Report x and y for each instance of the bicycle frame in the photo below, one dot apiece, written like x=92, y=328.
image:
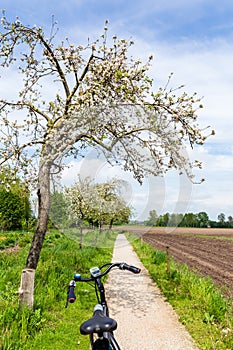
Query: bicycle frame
x=105, y=326
x=108, y=335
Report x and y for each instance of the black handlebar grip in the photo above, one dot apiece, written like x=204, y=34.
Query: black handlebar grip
x=134, y=269
x=131, y=268
x=71, y=295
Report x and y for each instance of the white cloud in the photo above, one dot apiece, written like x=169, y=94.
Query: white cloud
x=204, y=67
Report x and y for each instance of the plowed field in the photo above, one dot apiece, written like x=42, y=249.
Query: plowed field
x=208, y=251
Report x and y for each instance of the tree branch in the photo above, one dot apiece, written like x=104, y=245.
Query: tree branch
x=59, y=69
x=27, y=105
x=20, y=149
x=85, y=70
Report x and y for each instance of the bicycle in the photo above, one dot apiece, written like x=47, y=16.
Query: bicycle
x=100, y=327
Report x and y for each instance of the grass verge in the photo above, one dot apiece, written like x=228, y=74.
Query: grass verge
x=205, y=312
x=50, y=325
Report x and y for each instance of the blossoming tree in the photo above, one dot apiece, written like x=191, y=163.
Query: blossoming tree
x=100, y=203
x=71, y=97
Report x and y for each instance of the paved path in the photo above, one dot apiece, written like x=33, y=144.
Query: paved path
x=145, y=320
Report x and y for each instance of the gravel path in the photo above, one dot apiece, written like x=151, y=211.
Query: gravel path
x=145, y=320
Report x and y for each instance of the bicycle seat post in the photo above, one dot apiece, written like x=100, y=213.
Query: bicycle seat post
x=101, y=290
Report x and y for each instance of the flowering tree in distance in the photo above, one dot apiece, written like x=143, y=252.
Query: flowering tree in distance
x=98, y=202
x=71, y=97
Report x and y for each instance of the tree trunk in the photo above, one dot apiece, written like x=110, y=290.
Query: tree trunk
x=101, y=225
x=26, y=295
x=110, y=225
x=81, y=236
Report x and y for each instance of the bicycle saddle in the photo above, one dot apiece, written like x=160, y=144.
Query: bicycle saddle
x=99, y=323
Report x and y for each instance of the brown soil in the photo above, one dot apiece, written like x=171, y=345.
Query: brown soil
x=208, y=251
x=10, y=249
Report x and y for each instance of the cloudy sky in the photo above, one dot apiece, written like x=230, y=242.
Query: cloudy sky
x=192, y=39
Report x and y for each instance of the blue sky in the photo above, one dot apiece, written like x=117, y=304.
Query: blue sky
x=192, y=39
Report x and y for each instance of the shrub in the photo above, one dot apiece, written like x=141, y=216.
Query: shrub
x=11, y=210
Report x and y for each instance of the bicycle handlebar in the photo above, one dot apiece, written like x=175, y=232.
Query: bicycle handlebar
x=78, y=278
x=130, y=268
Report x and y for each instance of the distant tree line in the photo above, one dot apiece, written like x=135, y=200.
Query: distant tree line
x=200, y=219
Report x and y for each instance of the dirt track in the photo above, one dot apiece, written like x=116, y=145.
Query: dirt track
x=146, y=321
x=207, y=251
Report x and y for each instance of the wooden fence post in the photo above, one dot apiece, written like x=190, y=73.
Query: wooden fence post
x=168, y=260
x=26, y=290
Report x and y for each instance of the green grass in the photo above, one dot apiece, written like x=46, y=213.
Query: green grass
x=205, y=312
x=13, y=238
x=50, y=325
x=93, y=238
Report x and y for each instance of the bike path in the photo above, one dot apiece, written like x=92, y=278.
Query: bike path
x=145, y=320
